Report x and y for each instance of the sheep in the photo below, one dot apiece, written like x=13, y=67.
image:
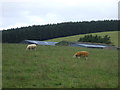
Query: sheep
x=81, y=53
x=31, y=46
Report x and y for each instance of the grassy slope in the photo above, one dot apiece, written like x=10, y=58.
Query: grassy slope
x=0, y=65
x=54, y=67
x=113, y=35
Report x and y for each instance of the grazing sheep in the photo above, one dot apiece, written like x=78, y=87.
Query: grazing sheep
x=81, y=54
x=31, y=46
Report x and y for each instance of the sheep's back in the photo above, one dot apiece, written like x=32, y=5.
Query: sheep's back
x=82, y=53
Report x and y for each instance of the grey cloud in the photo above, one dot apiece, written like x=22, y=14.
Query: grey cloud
x=52, y=11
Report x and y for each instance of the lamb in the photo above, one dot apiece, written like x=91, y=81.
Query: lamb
x=81, y=54
x=31, y=46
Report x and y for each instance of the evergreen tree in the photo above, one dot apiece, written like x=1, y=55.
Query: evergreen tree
x=95, y=39
x=49, y=31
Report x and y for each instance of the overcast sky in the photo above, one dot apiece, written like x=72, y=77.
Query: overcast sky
x=19, y=13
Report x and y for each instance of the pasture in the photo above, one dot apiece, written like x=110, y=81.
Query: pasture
x=112, y=34
x=54, y=67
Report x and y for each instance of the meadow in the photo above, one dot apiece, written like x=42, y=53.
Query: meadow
x=113, y=36
x=54, y=67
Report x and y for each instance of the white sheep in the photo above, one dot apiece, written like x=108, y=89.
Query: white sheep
x=31, y=46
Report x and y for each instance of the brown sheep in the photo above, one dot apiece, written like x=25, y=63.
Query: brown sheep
x=81, y=54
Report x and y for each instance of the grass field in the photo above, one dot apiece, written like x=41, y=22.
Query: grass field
x=54, y=67
x=112, y=34
x=0, y=66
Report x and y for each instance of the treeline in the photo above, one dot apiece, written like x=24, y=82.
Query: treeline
x=49, y=31
x=96, y=39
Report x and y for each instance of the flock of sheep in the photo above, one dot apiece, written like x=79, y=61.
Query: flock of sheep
x=76, y=55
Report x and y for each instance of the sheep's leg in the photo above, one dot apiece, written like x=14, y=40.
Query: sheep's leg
x=86, y=58
x=78, y=57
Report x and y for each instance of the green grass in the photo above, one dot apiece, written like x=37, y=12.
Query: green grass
x=54, y=67
x=0, y=66
x=112, y=34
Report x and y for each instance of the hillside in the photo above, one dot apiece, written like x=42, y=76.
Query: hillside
x=54, y=67
x=50, y=31
x=112, y=34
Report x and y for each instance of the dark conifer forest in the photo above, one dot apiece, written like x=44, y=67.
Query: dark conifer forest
x=49, y=31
